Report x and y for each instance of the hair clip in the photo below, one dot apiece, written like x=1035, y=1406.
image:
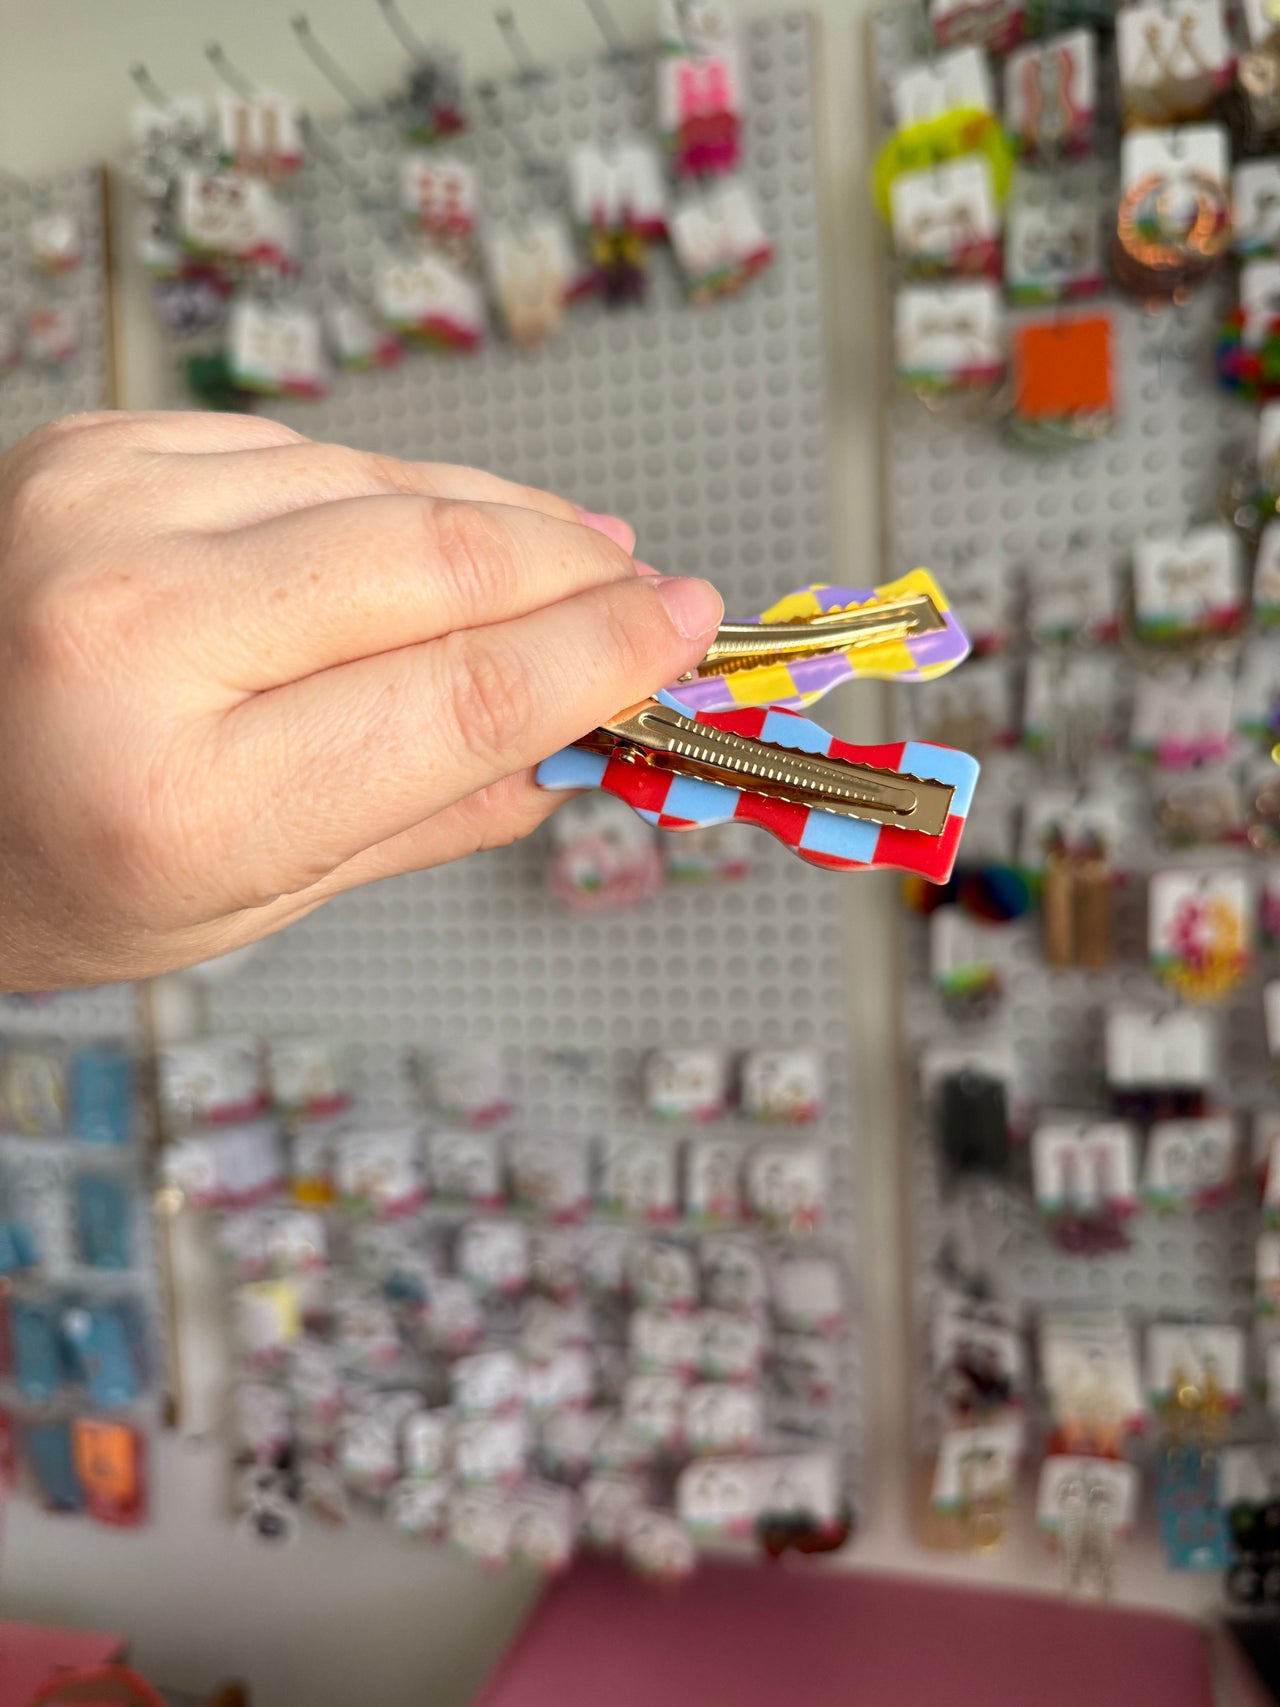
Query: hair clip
x=836, y=805
x=820, y=636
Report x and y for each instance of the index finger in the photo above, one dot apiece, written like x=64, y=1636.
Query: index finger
x=235, y=486
x=322, y=586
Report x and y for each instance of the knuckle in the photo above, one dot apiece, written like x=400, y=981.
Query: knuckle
x=63, y=427
x=387, y=473
x=469, y=549
x=38, y=496
x=73, y=624
x=49, y=474
x=260, y=429
x=491, y=698
x=48, y=634
x=62, y=449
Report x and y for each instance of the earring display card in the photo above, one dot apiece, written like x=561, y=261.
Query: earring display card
x=1134, y=761
x=627, y=1308
x=925, y=91
x=706, y=427
x=60, y=359
x=80, y=1322
x=1053, y=245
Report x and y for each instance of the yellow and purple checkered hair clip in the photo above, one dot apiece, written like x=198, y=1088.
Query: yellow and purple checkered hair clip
x=818, y=637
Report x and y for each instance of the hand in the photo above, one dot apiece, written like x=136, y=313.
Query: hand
x=241, y=672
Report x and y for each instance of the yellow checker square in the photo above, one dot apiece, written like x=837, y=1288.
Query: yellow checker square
x=765, y=686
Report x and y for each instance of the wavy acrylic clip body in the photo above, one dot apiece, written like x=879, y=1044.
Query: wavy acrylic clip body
x=899, y=806
x=820, y=636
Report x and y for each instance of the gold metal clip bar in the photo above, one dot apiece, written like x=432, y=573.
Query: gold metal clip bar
x=652, y=733
x=752, y=645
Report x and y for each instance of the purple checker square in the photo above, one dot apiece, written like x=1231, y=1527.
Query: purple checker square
x=944, y=646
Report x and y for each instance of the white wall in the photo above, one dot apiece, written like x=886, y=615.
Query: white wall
x=361, y=1616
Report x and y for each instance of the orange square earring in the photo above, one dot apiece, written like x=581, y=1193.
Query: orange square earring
x=1063, y=379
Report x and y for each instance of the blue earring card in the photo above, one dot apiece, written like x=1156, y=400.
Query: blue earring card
x=48, y=1453
x=104, y=1221
x=1193, y=1523
x=102, y=1094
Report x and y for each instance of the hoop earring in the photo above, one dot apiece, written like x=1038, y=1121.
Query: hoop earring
x=1148, y=257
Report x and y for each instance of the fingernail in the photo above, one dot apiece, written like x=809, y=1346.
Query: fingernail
x=695, y=608
x=612, y=527
x=644, y=568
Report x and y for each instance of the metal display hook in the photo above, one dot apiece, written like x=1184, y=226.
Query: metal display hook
x=235, y=80
x=147, y=86
x=405, y=34
x=616, y=45
x=527, y=67
x=333, y=73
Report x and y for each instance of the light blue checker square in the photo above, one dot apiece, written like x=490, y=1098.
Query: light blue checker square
x=798, y=732
x=572, y=767
x=842, y=838
x=944, y=764
x=700, y=801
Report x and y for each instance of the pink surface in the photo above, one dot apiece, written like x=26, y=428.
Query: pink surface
x=819, y=1638
x=30, y=1654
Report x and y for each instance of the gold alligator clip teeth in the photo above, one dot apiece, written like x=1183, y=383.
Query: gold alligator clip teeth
x=751, y=645
x=652, y=733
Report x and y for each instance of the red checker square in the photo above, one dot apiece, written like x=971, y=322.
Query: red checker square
x=643, y=786
x=832, y=862
x=933, y=857
x=749, y=721
x=782, y=818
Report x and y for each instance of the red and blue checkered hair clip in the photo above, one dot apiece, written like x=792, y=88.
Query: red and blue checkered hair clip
x=717, y=749
x=900, y=806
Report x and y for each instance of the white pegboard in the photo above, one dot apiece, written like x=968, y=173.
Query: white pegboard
x=76, y=1016
x=956, y=493
x=33, y=394
x=705, y=427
